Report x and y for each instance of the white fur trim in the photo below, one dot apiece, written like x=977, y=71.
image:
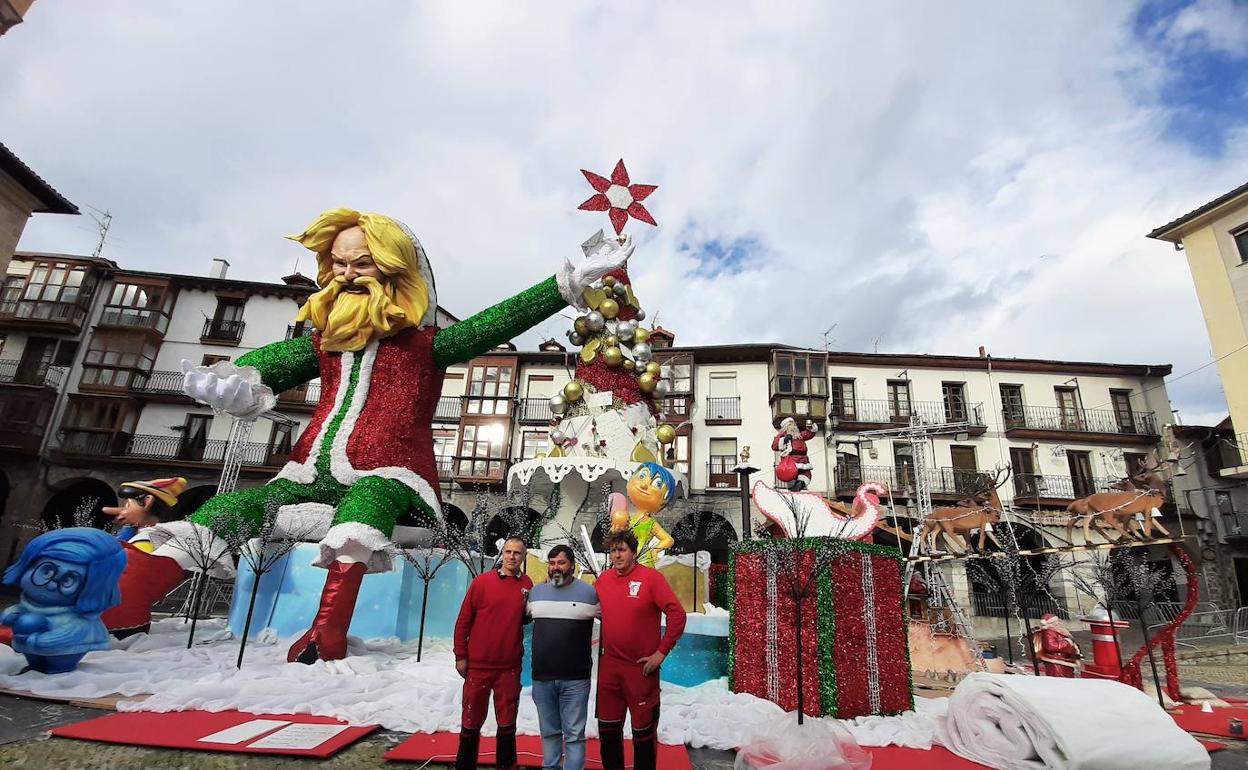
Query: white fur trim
x=312, y=520
x=305, y=472
x=354, y=536
x=177, y=538
x=565, y=280
x=426, y=272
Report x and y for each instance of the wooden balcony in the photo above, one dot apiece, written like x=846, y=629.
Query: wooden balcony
x=36, y=316
x=1055, y=423
x=124, y=317
x=479, y=471
x=49, y=377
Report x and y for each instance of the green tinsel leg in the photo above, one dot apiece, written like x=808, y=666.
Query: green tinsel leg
x=243, y=510
x=378, y=503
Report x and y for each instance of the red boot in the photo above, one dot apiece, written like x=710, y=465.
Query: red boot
x=146, y=580
x=327, y=638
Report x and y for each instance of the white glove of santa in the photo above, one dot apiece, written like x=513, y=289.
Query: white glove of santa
x=613, y=254
x=228, y=388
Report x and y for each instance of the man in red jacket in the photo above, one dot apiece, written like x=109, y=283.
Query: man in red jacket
x=633, y=597
x=489, y=646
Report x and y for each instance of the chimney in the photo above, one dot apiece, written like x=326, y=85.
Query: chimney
x=219, y=268
x=983, y=352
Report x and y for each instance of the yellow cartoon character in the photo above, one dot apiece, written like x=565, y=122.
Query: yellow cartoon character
x=650, y=489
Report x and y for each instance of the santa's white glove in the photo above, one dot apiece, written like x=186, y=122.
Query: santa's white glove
x=228, y=388
x=613, y=254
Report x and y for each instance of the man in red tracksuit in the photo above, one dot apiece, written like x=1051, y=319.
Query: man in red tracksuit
x=633, y=597
x=489, y=646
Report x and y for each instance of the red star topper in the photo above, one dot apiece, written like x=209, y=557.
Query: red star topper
x=616, y=195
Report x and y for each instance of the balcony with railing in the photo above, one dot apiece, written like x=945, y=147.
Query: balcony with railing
x=1086, y=424
x=12, y=371
x=125, y=317
x=868, y=413
x=170, y=448
x=535, y=410
x=304, y=397
x=450, y=408
x=480, y=470
x=901, y=482
x=1034, y=488
x=37, y=314
x=302, y=329
x=446, y=466
x=723, y=410
x=719, y=473
x=222, y=331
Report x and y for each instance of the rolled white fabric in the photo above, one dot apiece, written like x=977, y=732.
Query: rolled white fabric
x=1015, y=722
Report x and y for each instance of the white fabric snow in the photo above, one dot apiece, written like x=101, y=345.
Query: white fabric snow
x=381, y=682
x=1033, y=722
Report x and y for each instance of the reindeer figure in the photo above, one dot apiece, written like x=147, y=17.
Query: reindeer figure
x=1138, y=493
x=981, y=509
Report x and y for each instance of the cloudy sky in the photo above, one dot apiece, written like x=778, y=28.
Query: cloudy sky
x=930, y=177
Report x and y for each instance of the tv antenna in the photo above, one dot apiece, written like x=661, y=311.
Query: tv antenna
x=102, y=223
x=826, y=333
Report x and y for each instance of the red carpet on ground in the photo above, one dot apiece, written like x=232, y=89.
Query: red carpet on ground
x=1216, y=722
x=441, y=747
x=184, y=729
x=899, y=758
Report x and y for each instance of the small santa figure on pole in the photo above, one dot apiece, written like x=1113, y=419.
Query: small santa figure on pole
x=794, y=467
x=1055, y=649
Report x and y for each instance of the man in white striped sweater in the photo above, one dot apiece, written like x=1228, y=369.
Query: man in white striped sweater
x=563, y=611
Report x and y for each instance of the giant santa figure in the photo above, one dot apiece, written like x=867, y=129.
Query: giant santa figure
x=367, y=456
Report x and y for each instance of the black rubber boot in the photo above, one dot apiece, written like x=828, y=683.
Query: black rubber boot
x=469, y=742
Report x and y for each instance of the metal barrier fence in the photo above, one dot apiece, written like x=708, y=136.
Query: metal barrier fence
x=1211, y=625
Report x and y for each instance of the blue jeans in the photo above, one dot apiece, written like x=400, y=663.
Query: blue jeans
x=562, y=706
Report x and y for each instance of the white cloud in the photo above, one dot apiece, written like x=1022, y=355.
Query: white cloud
x=902, y=167
x=1221, y=25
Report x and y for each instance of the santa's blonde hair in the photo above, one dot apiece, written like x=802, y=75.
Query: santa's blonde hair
x=392, y=249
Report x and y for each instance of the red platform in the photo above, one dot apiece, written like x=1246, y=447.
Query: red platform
x=441, y=747
x=937, y=758
x=1216, y=722
x=183, y=729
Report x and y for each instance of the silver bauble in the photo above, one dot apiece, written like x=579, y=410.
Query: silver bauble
x=625, y=331
x=558, y=404
x=661, y=389
x=641, y=352
x=619, y=290
x=595, y=321
x=557, y=438
x=641, y=314
x=576, y=339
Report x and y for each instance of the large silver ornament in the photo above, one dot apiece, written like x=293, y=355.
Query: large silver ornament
x=595, y=321
x=661, y=389
x=642, y=352
x=558, y=404
x=619, y=290
x=576, y=339
x=641, y=314
x=625, y=331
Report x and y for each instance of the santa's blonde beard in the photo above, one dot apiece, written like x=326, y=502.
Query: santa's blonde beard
x=347, y=321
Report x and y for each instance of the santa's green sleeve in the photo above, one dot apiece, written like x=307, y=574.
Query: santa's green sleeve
x=493, y=326
x=284, y=365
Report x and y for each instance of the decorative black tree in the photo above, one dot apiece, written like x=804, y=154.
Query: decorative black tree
x=264, y=552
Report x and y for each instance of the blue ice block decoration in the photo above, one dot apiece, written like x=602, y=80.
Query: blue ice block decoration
x=388, y=604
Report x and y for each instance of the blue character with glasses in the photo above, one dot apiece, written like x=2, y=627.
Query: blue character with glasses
x=67, y=578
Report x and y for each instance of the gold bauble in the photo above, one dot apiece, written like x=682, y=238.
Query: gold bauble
x=646, y=382
x=609, y=281
x=629, y=365
x=573, y=391
x=612, y=341
x=641, y=335
x=581, y=326
x=666, y=434
x=654, y=367
x=612, y=357
x=609, y=308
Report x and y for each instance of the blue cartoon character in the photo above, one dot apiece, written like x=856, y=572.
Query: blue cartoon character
x=67, y=578
x=650, y=489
